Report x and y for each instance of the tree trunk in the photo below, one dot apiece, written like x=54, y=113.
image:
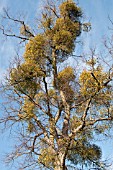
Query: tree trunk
x=59, y=168
x=60, y=162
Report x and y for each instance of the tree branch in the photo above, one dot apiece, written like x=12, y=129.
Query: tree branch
x=48, y=105
x=13, y=35
x=86, y=110
x=35, y=137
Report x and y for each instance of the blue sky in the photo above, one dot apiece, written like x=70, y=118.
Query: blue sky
x=96, y=11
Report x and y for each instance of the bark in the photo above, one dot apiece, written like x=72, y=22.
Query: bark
x=54, y=65
x=60, y=162
x=67, y=115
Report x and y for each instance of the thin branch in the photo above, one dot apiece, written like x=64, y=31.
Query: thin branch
x=53, y=10
x=13, y=35
x=48, y=104
x=58, y=114
x=17, y=21
x=40, y=124
x=35, y=137
x=95, y=79
x=99, y=120
x=36, y=104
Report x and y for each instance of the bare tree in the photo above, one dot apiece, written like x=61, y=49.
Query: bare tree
x=57, y=108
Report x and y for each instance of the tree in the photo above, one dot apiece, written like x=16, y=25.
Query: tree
x=58, y=109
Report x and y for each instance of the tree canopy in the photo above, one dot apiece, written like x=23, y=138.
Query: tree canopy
x=58, y=109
